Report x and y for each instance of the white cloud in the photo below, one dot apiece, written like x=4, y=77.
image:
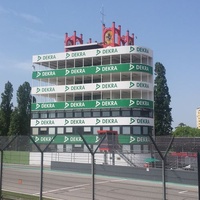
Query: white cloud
x=43, y=35
x=25, y=16
x=16, y=65
x=30, y=18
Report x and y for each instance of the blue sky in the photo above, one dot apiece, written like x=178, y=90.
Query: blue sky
x=170, y=28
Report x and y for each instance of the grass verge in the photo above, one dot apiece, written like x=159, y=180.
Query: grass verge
x=16, y=157
x=18, y=196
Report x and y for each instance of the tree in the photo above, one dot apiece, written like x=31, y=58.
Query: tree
x=6, y=108
x=181, y=124
x=186, y=131
x=20, y=122
x=162, y=99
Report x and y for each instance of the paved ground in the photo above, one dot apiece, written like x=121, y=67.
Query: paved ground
x=72, y=186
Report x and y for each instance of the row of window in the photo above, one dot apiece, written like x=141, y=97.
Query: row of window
x=135, y=130
x=94, y=113
x=100, y=78
x=93, y=61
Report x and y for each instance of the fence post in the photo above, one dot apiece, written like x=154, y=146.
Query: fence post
x=198, y=168
x=1, y=169
x=42, y=161
x=1, y=175
x=93, y=161
x=163, y=157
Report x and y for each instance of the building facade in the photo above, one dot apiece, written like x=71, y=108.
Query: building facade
x=94, y=86
x=198, y=118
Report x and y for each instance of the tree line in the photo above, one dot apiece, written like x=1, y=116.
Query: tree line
x=16, y=120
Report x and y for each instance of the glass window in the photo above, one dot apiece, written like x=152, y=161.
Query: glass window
x=126, y=130
x=35, y=115
x=68, y=129
x=60, y=114
x=35, y=131
x=105, y=113
x=126, y=148
x=87, y=129
x=137, y=148
x=78, y=114
x=136, y=130
x=60, y=130
x=144, y=113
x=87, y=113
x=115, y=113
x=52, y=115
x=145, y=130
x=126, y=113
x=106, y=128
x=136, y=113
x=69, y=114
x=43, y=115
x=116, y=128
x=52, y=131
x=145, y=149
x=95, y=129
x=43, y=131
x=96, y=114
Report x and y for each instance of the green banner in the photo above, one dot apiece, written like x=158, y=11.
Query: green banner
x=90, y=139
x=117, y=103
x=78, y=71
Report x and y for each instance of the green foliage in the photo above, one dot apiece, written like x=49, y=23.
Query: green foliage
x=162, y=99
x=15, y=123
x=22, y=115
x=186, y=131
x=6, y=108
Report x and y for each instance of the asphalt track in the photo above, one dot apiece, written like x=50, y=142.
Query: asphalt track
x=72, y=186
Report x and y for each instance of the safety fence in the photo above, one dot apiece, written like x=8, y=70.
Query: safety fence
x=157, y=169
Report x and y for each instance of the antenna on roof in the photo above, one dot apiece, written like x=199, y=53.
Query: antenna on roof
x=102, y=14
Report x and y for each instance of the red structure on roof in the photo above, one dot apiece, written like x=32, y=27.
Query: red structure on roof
x=110, y=37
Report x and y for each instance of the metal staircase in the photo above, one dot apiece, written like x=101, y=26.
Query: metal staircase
x=119, y=151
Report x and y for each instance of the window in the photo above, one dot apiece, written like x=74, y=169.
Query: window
x=69, y=130
x=43, y=115
x=126, y=113
x=96, y=113
x=116, y=128
x=78, y=114
x=60, y=114
x=69, y=114
x=115, y=113
x=136, y=113
x=126, y=130
x=52, y=115
x=136, y=130
x=105, y=113
x=87, y=113
x=60, y=130
x=95, y=129
x=35, y=115
x=52, y=131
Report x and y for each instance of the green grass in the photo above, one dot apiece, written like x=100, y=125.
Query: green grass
x=16, y=157
x=17, y=196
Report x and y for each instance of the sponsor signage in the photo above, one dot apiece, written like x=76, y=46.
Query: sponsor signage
x=126, y=67
x=92, y=53
x=93, y=87
x=92, y=121
x=90, y=139
x=115, y=103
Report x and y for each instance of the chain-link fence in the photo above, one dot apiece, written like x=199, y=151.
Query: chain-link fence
x=161, y=168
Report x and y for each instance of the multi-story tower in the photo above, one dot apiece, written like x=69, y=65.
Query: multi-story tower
x=94, y=86
x=198, y=117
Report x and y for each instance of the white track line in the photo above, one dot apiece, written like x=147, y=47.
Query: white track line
x=181, y=192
